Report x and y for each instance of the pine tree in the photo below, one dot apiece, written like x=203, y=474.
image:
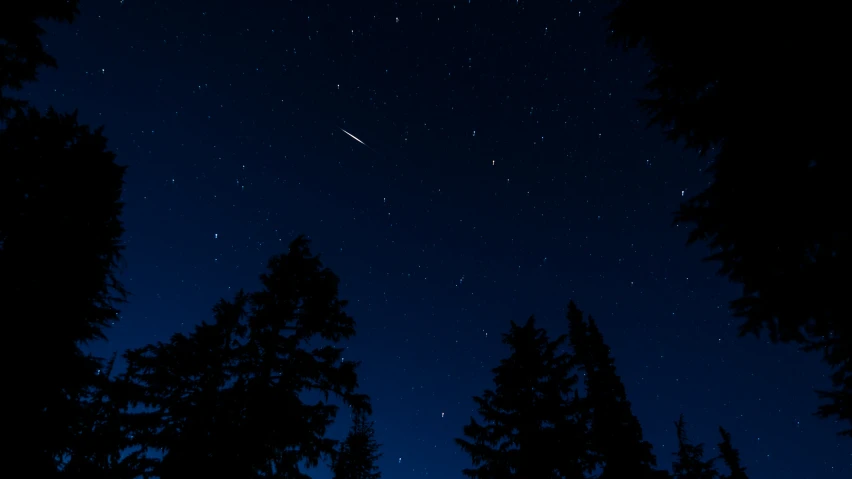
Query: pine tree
x=192, y=401
x=227, y=400
x=614, y=433
x=690, y=463
x=358, y=453
x=731, y=457
x=57, y=179
x=102, y=438
x=21, y=50
x=529, y=427
x=757, y=214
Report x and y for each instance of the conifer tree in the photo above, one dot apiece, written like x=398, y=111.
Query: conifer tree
x=227, y=399
x=357, y=455
x=57, y=181
x=756, y=215
x=690, y=462
x=529, y=427
x=184, y=386
x=102, y=438
x=59, y=239
x=615, y=436
x=21, y=49
x=731, y=457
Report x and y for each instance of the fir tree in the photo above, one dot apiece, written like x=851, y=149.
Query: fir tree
x=102, y=441
x=731, y=457
x=614, y=433
x=757, y=214
x=189, y=407
x=57, y=180
x=227, y=400
x=529, y=427
x=21, y=50
x=358, y=453
x=690, y=463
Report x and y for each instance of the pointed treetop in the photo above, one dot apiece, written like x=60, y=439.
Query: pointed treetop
x=690, y=463
x=731, y=457
x=357, y=455
x=529, y=426
x=615, y=435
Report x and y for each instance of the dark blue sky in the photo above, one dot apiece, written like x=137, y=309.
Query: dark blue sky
x=510, y=171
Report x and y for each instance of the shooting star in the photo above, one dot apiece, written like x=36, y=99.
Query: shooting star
x=357, y=139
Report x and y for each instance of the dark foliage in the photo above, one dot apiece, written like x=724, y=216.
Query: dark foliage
x=530, y=426
x=228, y=399
x=770, y=214
x=60, y=231
x=102, y=439
x=731, y=457
x=690, y=462
x=21, y=49
x=59, y=239
x=615, y=435
x=357, y=455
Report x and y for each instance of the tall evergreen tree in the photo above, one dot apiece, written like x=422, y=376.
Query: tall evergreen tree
x=529, y=428
x=757, y=214
x=690, y=462
x=60, y=204
x=731, y=457
x=21, y=49
x=357, y=455
x=59, y=239
x=615, y=435
x=227, y=400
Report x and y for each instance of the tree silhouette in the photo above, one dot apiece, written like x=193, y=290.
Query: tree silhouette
x=60, y=205
x=102, y=438
x=615, y=435
x=21, y=50
x=731, y=457
x=358, y=453
x=228, y=399
x=529, y=427
x=190, y=409
x=690, y=463
x=770, y=214
x=59, y=239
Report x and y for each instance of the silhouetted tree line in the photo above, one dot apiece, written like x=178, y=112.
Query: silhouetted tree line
x=541, y=421
x=229, y=398
x=225, y=399
x=771, y=214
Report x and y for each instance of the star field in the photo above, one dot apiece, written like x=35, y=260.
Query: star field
x=459, y=164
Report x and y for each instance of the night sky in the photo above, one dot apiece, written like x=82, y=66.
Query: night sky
x=508, y=171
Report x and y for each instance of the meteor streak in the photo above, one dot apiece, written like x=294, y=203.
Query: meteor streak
x=356, y=139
